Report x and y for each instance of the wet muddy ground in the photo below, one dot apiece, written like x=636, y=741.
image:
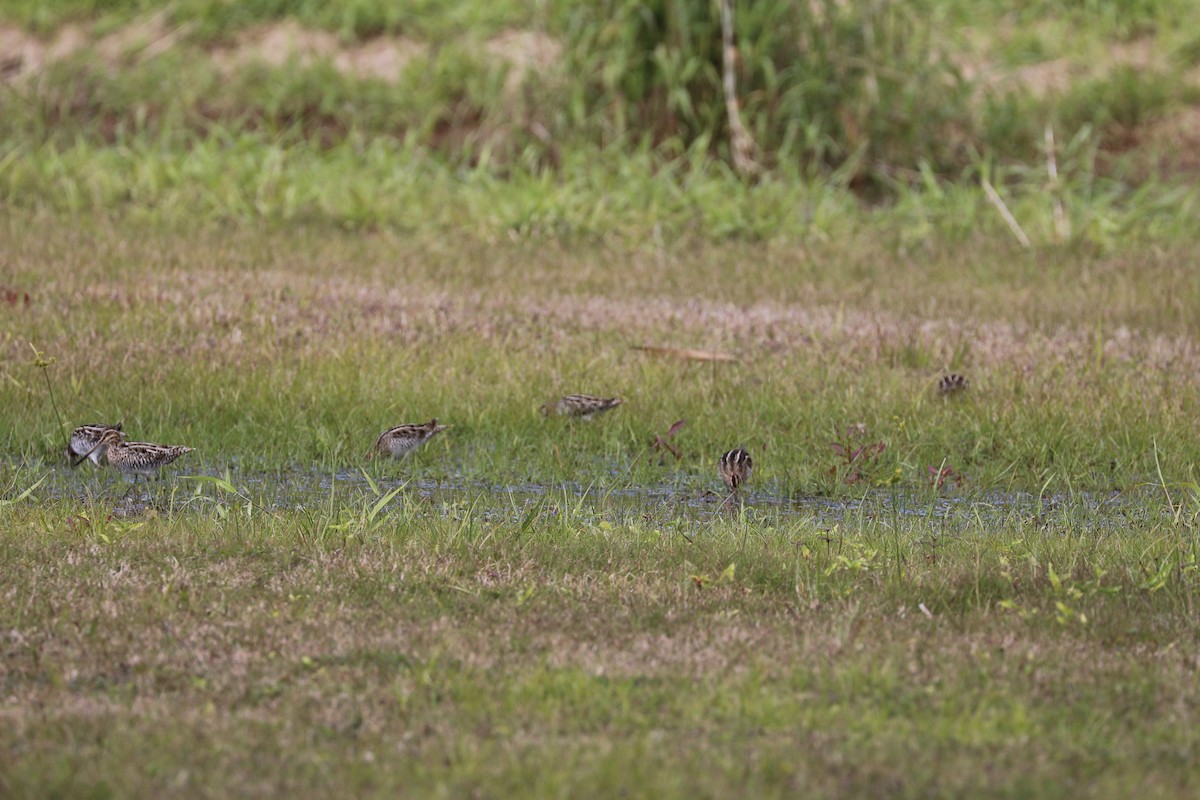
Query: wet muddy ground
x=683, y=505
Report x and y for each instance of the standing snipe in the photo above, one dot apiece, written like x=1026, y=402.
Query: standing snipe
x=134, y=458
x=584, y=406
x=734, y=468
x=401, y=440
x=84, y=440
x=952, y=384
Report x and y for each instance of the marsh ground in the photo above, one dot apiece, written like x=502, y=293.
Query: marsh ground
x=997, y=598
x=491, y=630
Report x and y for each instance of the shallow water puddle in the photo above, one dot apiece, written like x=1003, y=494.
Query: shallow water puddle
x=301, y=490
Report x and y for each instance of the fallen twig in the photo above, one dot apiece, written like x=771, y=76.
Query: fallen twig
x=685, y=353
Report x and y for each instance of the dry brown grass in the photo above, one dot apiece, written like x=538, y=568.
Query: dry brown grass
x=229, y=295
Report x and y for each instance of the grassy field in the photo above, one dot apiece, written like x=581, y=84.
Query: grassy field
x=438, y=653
x=272, y=261
x=280, y=348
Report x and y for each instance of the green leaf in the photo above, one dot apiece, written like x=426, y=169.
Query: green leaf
x=23, y=494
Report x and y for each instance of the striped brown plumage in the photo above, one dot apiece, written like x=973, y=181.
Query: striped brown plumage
x=952, y=384
x=734, y=468
x=401, y=440
x=135, y=458
x=84, y=439
x=584, y=406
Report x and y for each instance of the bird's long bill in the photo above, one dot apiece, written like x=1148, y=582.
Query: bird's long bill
x=84, y=457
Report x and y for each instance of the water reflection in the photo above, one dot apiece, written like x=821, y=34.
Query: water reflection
x=307, y=490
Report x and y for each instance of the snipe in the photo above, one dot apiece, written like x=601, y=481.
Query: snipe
x=734, y=468
x=952, y=384
x=401, y=440
x=134, y=458
x=584, y=406
x=84, y=440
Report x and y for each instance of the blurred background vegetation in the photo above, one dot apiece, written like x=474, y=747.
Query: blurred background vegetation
x=247, y=109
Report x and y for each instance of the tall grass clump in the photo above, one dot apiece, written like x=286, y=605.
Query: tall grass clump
x=859, y=86
x=626, y=131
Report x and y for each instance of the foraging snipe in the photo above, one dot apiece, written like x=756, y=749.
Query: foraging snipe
x=84, y=440
x=403, y=439
x=734, y=468
x=134, y=458
x=580, y=405
x=952, y=384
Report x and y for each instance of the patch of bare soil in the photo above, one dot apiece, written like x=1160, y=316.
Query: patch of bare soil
x=19, y=52
x=383, y=58
x=525, y=52
x=22, y=54
x=1174, y=143
x=1048, y=78
x=287, y=42
x=67, y=41
x=143, y=39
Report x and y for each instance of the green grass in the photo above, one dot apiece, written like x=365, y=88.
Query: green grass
x=287, y=347
x=883, y=97
x=273, y=264
x=302, y=652
x=380, y=184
